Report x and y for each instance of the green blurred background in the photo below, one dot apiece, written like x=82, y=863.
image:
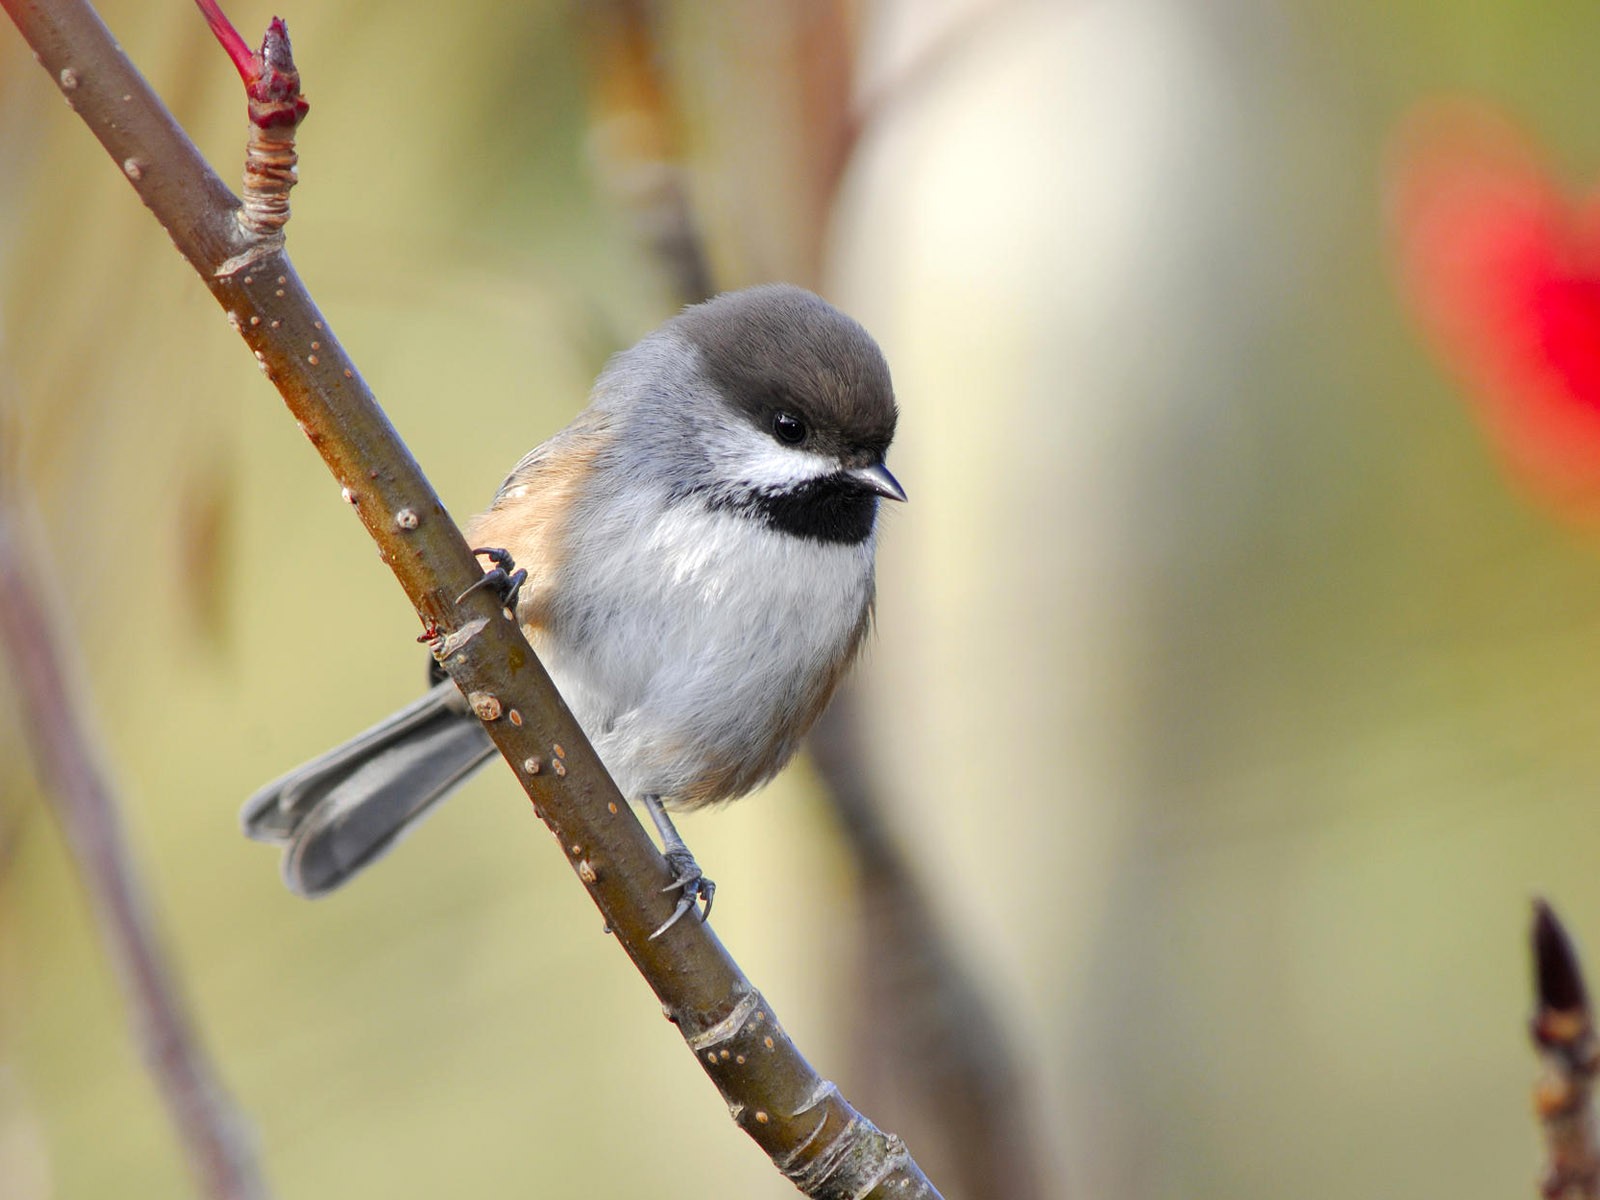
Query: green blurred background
x=1226, y=695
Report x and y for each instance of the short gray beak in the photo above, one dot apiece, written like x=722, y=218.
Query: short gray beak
x=879, y=480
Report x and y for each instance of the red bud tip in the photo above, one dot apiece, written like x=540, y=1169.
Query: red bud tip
x=276, y=53
x=275, y=97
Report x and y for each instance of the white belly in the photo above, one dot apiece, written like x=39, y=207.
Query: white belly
x=680, y=651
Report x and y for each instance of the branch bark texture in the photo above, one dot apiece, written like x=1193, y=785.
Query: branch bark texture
x=813, y=1136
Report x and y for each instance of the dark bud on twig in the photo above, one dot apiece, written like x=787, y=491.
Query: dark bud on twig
x=1563, y=1032
x=1556, y=970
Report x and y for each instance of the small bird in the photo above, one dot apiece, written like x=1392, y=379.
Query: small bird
x=693, y=565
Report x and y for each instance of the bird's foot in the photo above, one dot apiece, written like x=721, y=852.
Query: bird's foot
x=504, y=579
x=692, y=885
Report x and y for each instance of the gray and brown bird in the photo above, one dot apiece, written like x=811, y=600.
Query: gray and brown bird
x=698, y=547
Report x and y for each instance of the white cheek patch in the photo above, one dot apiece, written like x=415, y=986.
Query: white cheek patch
x=761, y=463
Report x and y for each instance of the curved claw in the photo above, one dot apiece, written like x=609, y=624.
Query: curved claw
x=685, y=903
x=695, y=886
x=505, y=578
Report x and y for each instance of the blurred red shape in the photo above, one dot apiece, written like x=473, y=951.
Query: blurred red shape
x=1504, y=271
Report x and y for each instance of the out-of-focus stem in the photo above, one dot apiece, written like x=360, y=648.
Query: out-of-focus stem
x=216, y=1141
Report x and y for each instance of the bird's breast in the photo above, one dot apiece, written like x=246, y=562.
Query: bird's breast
x=697, y=645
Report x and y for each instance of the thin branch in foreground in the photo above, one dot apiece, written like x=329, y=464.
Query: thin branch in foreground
x=812, y=1135
x=215, y=1139
x=1563, y=1033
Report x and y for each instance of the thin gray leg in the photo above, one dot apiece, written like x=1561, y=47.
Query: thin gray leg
x=686, y=873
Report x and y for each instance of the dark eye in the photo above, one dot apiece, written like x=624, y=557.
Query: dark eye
x=788, y=428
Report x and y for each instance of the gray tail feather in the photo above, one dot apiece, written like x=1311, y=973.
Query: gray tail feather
x=339, y=812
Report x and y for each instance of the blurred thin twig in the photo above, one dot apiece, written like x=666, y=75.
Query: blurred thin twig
x=634, y=141
x=870, y=111
x=936, y=1044
x=215, y=1138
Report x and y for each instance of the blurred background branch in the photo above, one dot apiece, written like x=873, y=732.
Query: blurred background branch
x=67, y=757
x=929, y=1043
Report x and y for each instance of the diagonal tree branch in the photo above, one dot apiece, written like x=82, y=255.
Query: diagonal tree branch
x=215, y=1138
x=814, y=1137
